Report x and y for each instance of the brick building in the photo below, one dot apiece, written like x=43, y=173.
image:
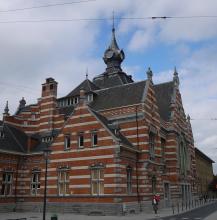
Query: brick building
x=114, y=142
x=204, y=171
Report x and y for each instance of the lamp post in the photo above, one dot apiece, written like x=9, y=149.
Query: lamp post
x=46, y=151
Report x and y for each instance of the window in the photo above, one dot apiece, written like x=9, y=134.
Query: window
x=90, y=97
x=81, y=140
x=163, y=145
x=44, y=88
x=7, y=180
x=25, y=123
x=129, y=180
x=47, y=139
x=151, y=145
x=33, y=116
x=183, y=158
x=97, y=181
x=63, y=182
x=67, y=141
x=94, y=139
x=35, y=182
x=51, y=86
x=75, y=100
x=2, y=135
x=153, y=183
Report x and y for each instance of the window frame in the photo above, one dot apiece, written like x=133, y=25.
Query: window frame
x=63, y=183
x=67, y=141
x=81, y=134
x=7, y=183
x=129, y=180
x=97, y=179
x=35, y=191
x=93, y=135
x=152, y=137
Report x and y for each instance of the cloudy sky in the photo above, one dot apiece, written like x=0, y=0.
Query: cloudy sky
x=31, y=51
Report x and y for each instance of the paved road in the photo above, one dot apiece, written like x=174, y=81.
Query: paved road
x=196, y=214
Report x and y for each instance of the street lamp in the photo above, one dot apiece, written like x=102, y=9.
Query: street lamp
x=47, y=152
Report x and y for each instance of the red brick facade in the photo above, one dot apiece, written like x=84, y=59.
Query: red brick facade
x=136, y=152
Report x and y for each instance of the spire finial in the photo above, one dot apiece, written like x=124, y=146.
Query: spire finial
x=113, y=21
x=176, y=77
x=87, y=73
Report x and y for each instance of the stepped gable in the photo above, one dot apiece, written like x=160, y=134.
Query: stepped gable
x=14, y=139
x=112, y=129
x=164, y=92
x=119, y=96
x=86, y=85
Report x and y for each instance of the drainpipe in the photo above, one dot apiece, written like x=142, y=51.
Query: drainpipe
x=137, y=157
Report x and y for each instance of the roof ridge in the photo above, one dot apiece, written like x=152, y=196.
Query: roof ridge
x=163, y=83
x=120, y=85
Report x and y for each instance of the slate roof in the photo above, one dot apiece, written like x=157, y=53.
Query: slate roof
x=13, y=140
x=107, y=124
x=164, y=92
x=87, y=85
x=118, y=96
x=67, y=110
x=106, y=80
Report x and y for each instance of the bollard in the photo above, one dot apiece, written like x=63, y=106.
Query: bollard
x=177, y=207
x=182, y=206
x=173, y=209
x=54, y=217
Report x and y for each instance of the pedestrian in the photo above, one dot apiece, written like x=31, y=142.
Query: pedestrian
x=155, y=204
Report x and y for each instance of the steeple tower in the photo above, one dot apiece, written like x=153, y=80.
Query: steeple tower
x=113, y=56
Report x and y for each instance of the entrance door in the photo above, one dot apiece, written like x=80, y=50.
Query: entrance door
x=167, y=194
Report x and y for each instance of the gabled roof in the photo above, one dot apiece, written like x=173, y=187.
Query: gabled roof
x=86, y=85
x=204, y=156
x=14, y=139
x=164, y=93
x=118, y=96
x=118, y=135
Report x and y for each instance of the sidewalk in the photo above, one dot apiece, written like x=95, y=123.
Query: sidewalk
x=213, y=216
x=71, y=216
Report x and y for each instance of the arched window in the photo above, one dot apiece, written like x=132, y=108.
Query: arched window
x=154, y=184
x=183, y=157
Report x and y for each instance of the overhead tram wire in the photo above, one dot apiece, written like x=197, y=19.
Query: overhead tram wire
x=107, y=19
x=46, y=6
x=203, y=119
x=102, y=19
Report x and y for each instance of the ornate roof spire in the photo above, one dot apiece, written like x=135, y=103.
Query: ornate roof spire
x=6, y=110
x=87, y=73
x=176, y=77
x=113, y=56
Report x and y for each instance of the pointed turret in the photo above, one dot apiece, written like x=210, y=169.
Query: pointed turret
x=113, y=56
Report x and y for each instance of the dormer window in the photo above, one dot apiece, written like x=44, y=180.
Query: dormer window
x=47, y=139
x=90, y=97
x=75, y=100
